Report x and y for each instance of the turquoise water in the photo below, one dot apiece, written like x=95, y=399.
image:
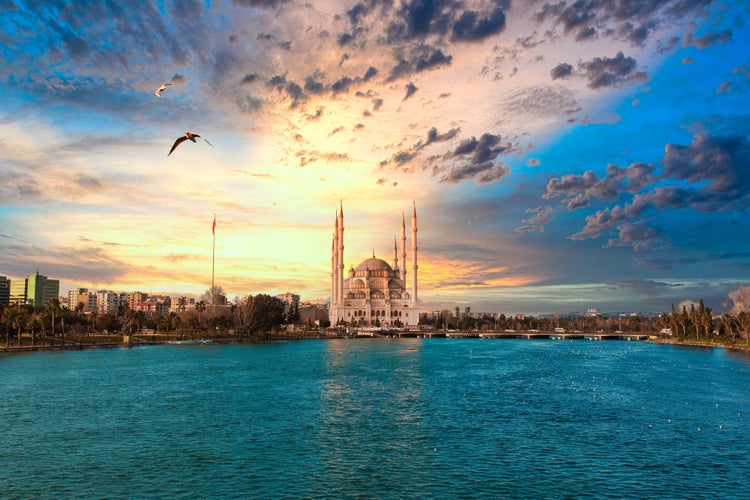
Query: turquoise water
x=430, y=418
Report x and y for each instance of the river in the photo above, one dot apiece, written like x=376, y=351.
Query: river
x=377, y=418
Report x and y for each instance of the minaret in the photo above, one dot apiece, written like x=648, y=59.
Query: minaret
x=414, y=252
x=334, y=260
x=395, y=254
x=403, y=250
x=340, y=286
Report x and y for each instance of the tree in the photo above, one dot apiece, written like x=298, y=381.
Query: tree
x=209, y=296
x=740, y=299
x=53, y=308
x=17, y=318
x=729, y=325
x=292, y=317
x=200, y=307
x=264, y=313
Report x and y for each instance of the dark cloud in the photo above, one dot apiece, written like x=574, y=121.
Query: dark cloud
x=313, y=86
x=712, y=174
x=369, y=74
x=636, y=34
x=356, y=13
x=249, y=78
x=341, y=85
x=88, y=263
x=562, y=70
x=632, y=21
x=639, y=236
x=610, y=71
x=480, y=173
x=471, y=27
x=421, y=58
x=344, y=39
x=707, y=40
x=721, y=165
x=476, y=159
x=261, y=4
x=577, y=190
x=433, y=137
x=419, y=19
x=587, y=33
x=481, y=150
x=411, y=89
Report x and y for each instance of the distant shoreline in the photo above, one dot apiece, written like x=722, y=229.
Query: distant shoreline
x=81, y=343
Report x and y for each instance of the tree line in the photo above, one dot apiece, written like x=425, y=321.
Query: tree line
x=52, y=322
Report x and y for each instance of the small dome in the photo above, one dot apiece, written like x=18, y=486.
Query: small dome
x=373, y=264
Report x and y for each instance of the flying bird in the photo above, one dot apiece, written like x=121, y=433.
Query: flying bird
x=163, y=87
x=188, y=136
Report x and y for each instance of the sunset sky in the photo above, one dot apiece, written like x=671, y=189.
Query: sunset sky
x=562, y=155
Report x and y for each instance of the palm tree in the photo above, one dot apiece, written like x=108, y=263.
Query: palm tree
x=8, y=313
x=200, y=306
x=18, y=319
x=52, y=307
x=92, y=317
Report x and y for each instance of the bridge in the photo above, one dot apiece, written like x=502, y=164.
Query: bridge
x=545, y=335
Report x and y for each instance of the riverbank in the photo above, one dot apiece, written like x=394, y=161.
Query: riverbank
x=79, y=342
x=740, y=346
x=103, y=341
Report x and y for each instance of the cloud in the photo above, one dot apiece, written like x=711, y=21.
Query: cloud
x=639, y=236
x=611, y=71
x=86, y=263
x=419, y=19
x=476, y=159
x=421, y=58
x=710, y=174
x=542, y=215
x=411, y=89
x=472, y=27
x=262, y=4
x=529, y=228
x=634, y=22
x=562, y=70
x=709, y=39
x=433, y=137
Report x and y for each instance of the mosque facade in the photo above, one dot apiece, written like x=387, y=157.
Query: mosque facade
x=374, y=293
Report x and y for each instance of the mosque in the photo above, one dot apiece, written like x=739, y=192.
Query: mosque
x=374, y=293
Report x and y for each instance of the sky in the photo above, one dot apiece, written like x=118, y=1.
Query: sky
x=561, y=155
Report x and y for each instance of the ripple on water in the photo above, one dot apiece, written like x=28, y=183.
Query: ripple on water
x=377, y=419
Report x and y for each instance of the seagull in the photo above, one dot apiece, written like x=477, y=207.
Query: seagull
x=163, y=87
x=188, y=135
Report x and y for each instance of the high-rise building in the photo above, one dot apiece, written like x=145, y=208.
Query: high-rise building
x=108, y=302
x=17, y=291
x=36, y=289
x=375, y=293
x=4, y=291
x=181, y=304
x=81, y=298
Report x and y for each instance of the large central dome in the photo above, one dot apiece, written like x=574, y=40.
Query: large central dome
x=373, y=264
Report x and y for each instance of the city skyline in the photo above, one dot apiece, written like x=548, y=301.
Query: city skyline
x=563, y=155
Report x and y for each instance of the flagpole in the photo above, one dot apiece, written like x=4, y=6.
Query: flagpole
x=213, y=259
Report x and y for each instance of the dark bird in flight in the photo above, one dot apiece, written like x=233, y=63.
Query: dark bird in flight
x=188, y=136
x=163, y=87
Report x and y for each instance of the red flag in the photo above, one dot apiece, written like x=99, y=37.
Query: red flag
x=213, y=227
